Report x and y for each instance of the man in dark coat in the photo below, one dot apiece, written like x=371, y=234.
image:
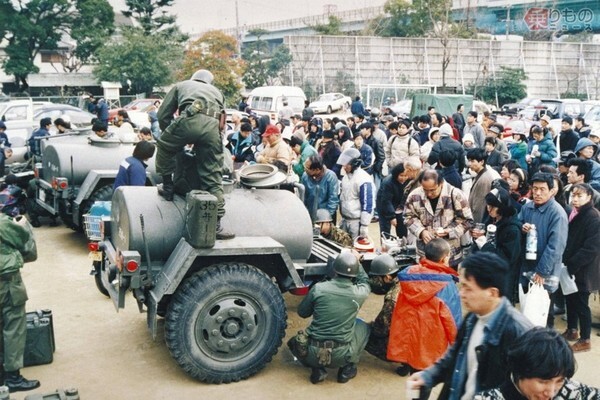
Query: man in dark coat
x=567, y=139
x=447, y=143
x=366, y=130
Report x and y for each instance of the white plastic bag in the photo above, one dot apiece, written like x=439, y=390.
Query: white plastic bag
x=567, y=281
x=537, y=304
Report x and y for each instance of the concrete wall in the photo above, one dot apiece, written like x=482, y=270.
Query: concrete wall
x=552, y=68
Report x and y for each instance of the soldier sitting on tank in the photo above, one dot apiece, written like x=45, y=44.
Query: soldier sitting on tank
x=330, y=231
x=335, y=337
x=201, y=122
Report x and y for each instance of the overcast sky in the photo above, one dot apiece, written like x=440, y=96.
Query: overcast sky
x=195, y=16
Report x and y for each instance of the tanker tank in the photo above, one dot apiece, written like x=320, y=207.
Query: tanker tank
x=85, y=156
x=278, y=214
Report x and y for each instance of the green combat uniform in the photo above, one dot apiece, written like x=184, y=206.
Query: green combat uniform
x=201, y=119
x=14, y=240
x=380, y=327
x=334, y=306
x=340, y=236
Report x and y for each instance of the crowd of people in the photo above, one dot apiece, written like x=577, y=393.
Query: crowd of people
x=491, y=214
x=487, y=217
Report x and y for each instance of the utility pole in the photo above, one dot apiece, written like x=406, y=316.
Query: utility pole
x=238, y=38
x=507, y=20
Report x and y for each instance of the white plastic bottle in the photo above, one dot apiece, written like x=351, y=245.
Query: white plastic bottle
x=531, y=244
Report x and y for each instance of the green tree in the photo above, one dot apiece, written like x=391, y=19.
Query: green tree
x=154, y=19
x=332, y=28
x=93, y=24
x=263, y=65
x=30, y=27
x=215, y=51
x=139, y=62
x=408, y=18
x=507, y=87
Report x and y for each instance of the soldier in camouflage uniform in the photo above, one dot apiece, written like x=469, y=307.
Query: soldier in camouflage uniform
x=336, y=337
x=330, y=231
x=200, y=123
x=16, y=242
x=383, y=281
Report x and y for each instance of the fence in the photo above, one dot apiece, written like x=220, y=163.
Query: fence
x=345, y=63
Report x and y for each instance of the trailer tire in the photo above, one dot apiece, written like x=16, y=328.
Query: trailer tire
x=225, y=323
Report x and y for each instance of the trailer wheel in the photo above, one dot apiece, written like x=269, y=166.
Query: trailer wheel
x=225, y=323
x=98, y=279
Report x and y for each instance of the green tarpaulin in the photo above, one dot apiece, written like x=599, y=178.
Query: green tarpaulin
x=444, y=104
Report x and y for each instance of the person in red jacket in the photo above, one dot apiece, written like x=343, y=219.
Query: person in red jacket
x=427, y=313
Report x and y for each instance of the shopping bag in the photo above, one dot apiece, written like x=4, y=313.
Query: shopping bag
x=537, y=304
x=567, y=281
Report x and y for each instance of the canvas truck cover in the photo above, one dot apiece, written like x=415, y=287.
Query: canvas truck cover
x=444, y=104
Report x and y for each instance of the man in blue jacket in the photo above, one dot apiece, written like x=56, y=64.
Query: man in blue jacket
x=132, y=171
x=35, y=146
x=322, y=187
x=551, y=225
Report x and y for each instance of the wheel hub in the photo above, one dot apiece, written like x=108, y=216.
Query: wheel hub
x=228, y=326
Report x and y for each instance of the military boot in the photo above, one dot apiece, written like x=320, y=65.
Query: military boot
x=347, y=372
x=167, y=188
x=17, y=383
x=317, y=375
x=222, y=233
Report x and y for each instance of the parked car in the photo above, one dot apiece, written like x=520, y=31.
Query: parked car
x=515, y=108
x=268, y=100
x=135, y=105
x=330, y=102
x=559, y=108
x=592, y=117
x=78, y=118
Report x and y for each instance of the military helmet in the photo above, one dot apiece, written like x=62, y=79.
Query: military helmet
x=323, y=216
x=383, y=264
x=346, y=264
x=203, y=75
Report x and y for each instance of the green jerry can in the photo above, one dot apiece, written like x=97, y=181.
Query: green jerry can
x=59, y=394
x=39, y=345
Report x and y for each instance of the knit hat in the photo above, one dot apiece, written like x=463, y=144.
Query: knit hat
x=271, y=130
x=500, y=198
x=546, y=118
x=446, y=130
x=328, y=134
x=468, y=138
x=595, y=132
x=339, y=126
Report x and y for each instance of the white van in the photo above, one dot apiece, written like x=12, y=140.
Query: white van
x=268, y=100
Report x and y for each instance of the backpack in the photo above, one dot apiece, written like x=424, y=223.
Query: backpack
x=11, y=201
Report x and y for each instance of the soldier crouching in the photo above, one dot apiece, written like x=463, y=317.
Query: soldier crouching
x=335, y=337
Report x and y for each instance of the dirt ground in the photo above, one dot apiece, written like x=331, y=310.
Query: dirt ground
x=110, y=355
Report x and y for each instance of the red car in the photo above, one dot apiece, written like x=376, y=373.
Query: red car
x=138, y=104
